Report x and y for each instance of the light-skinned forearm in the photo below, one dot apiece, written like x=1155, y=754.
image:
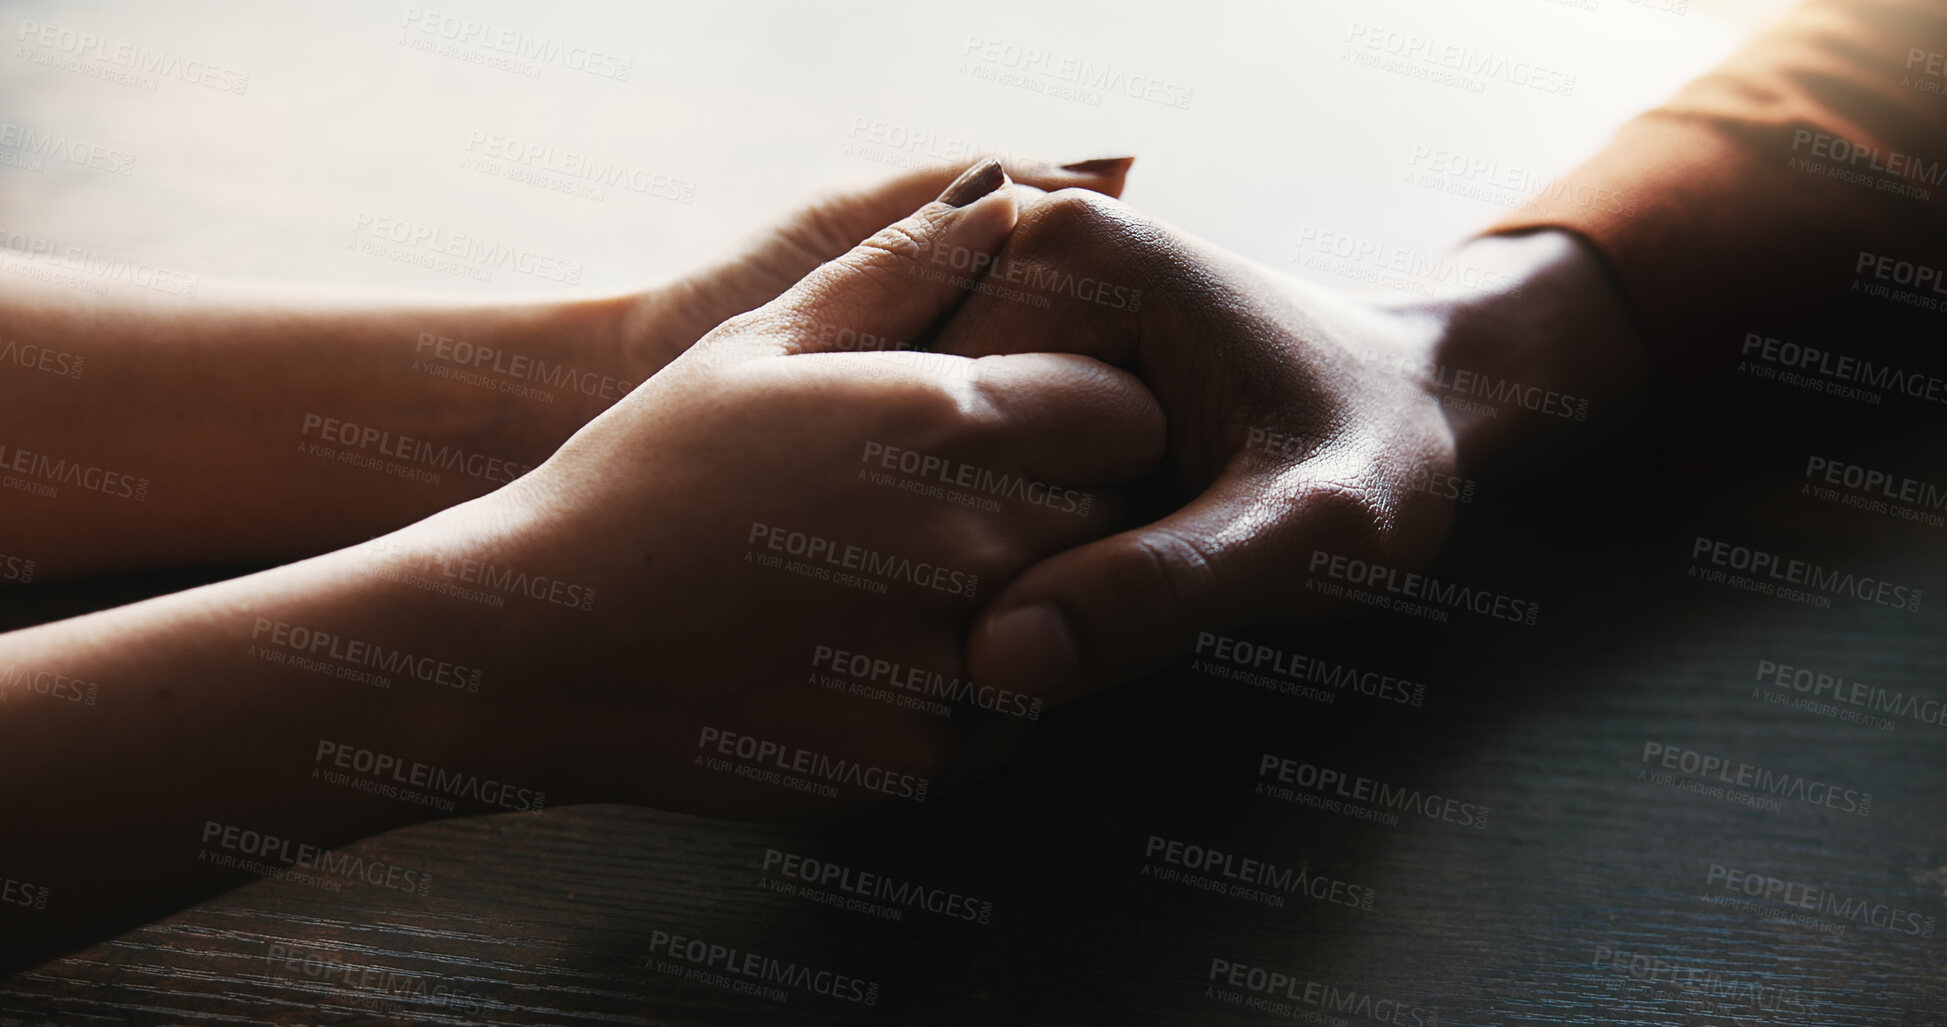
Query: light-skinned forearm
x=139, y=744
x=253, y=425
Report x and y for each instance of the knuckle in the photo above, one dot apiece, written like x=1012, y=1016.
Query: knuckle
x=1088, y=233
x=1346, y=516
x=751, y=323
x=889, y=258
x=900, y=241
x=985, y=403
x=760, y=319
x=1172, y=570
x=1077, y=219
x=936, y=411
x=1074, y=210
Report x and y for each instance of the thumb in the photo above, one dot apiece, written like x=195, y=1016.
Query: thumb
x=898, y=283
x=1122, y=606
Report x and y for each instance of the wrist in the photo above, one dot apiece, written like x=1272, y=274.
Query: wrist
x=555, y=366
x=484, y=652
x=650, y=327
x=1532, y=350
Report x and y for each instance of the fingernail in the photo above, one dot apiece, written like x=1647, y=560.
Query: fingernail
x=973, y=183
x=1034, y=648
x=1100, y=165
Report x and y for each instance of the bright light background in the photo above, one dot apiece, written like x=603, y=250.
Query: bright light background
x=759, y=103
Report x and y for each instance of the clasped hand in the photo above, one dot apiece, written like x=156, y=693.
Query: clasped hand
x=893, y=559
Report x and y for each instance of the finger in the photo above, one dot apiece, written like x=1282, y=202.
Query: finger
x=1079, y=275
x=1105, y=175
x=759, y=269
x=1119, y=607
x=1068, y=419
x=1049, y=418
x=861, y=210
x=827, y=226
x=904, y=278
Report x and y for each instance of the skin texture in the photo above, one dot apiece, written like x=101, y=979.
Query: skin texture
x=225, y=404
x=642, y=627
x=661, y=630
x=788, y=456
x=1301, y=421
